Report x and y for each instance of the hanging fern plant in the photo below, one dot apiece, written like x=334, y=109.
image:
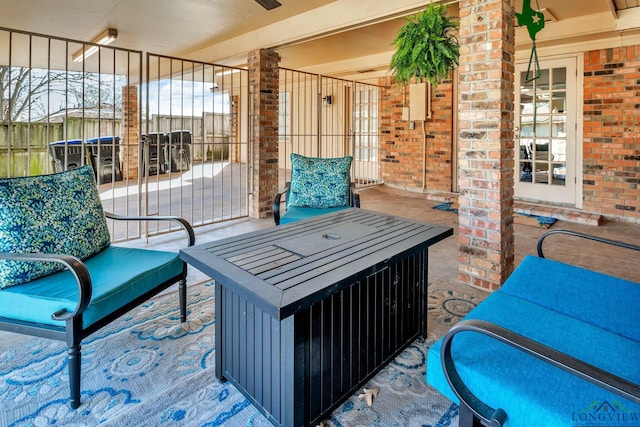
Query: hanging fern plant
x=426, y=47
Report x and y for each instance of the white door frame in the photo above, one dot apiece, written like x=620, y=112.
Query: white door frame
x=530, y=191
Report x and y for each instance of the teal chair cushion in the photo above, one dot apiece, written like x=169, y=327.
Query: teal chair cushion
x=57, y=214
x=118, y=276
x=319, y=183
x=294, y=214
x=530, y=391
x=563, y=298
x=601, y=300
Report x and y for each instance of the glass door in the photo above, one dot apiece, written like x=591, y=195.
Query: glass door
x=546, y=132
x=365, y=131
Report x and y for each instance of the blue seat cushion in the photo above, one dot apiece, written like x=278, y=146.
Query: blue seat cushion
x=319, y=182
x=118, y=276
x=296, y=214
x=592, y=297
x=530, y=391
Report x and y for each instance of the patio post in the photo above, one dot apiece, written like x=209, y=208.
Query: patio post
x=486, y=153
x=130, y=142
x=263, y=93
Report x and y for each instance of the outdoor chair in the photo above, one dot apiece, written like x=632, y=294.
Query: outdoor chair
x=60, y=277
x=557, y=344
x=318, y=186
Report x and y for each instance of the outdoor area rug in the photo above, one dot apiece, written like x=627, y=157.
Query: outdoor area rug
x=146, y=369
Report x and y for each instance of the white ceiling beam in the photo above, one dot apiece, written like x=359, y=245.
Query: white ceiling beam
x=332, y=18
x=628, y=19
x=353, y=65
x=614, y=9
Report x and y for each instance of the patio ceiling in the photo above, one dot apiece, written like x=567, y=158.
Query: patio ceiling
x=344, y=38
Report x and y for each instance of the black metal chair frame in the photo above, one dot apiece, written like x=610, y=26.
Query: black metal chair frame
x=73, y=332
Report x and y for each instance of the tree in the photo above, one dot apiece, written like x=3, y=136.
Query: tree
x=27, y=94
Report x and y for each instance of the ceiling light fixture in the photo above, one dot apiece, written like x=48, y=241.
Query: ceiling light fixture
x=269, y=4
x=108, y=36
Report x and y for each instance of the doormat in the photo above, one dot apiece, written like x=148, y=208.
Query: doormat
x=533, y=220
x=518, y=217
x=447, y=206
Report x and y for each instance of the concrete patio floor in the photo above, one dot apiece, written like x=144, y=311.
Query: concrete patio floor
x=443, y=257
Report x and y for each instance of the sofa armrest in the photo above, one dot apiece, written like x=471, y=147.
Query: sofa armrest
x=584, y=236
x=278, y=199
x=74, y=265
x=183, y=222
x=497, y=417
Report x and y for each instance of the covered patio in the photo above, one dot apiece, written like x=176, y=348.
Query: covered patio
x=479, y=146
x=443, y=264
x=472, y=146
x=450, y=301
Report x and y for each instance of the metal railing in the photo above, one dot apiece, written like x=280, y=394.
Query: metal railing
x=173, y=140
x=322, y=116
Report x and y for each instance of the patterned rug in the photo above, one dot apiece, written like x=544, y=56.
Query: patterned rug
x=146, y=369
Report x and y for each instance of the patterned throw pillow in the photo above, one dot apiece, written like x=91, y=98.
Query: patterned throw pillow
x=319, y=183
x=56, y=214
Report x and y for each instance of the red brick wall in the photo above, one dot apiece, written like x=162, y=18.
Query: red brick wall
x=611, y=147
x=264, y=84
x=401, y=149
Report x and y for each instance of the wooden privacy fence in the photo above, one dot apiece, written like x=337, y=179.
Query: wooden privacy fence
x=24, y=147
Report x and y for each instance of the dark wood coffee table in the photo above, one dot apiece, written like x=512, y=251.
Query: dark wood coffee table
x=306, y=313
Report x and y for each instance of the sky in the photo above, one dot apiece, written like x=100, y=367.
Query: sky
x=167, y=97
x=178, y=97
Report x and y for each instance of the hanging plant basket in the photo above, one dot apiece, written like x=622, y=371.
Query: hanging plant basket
x=426, y=47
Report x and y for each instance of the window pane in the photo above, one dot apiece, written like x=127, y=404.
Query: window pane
x=284, y=115
x=558, y=102
x=525, y=172
x=559, y=78
x=542, y=172
x=559, y=150
x=558, y=126
x=542, y=82
x=542, y=150
x=559, y=174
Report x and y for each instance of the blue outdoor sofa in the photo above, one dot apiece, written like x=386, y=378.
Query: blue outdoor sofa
x=60, y=277
x=556, y=345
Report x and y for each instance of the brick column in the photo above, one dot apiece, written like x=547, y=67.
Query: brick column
x=234, y=149
x=486, y=147
x=130, y=137
x=263, y=92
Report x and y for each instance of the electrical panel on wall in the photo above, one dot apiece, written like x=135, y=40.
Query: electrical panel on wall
x=419, y=102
